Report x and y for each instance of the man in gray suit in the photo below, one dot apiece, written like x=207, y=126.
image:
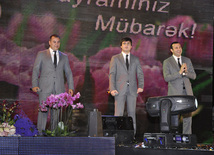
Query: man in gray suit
x=48, y=78
x=177, y=71
x=126, y=80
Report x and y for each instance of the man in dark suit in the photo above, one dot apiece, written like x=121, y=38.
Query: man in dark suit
x=126, y=80
x=177, y=71
x=48, y=78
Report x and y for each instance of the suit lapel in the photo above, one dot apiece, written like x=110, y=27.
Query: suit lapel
x=174, y=63
x=122, y=61
x=131, y=61
x=60, y=57
x=49, y=59
x=183, y=59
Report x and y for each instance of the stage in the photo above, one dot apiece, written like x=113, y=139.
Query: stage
x=131, y=150
x=83, y=146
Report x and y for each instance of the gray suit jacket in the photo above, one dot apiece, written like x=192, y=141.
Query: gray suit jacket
x=176, y=80
x=46, y=76
x=119, y=75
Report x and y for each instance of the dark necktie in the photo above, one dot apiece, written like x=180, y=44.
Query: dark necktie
x=127, y=62
x=55, y=59
x=179, y=63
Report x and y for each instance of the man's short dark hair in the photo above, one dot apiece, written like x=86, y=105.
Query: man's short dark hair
x=54, y=35
x=175, y=42
x=125, y=39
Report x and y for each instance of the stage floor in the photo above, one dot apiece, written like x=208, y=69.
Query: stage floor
x=57, y=145
x=83, y=146
x=131, y=150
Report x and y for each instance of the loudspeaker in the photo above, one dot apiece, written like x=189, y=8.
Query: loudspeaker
x=95, y=124
x=119, y=127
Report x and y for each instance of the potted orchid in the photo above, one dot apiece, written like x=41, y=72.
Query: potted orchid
x=61, y=101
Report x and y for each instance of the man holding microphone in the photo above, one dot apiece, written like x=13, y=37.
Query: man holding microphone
x=177, y=71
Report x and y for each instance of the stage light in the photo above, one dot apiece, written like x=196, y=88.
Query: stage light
x=165, y=106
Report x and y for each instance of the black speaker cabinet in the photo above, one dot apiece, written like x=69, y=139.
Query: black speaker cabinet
x=119, y=127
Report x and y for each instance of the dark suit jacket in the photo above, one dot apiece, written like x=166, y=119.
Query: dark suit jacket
x=176, y=80
x=46, y=76
x=119, y=75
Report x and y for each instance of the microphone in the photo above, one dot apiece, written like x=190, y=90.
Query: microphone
x=184, y=73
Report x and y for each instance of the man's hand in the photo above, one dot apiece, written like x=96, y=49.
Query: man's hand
x=183, y=68
x=71, y=92
x=139, y=90
x=36, y=89
x=114, y=92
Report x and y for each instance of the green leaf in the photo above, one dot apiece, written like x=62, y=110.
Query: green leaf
x=83, y=46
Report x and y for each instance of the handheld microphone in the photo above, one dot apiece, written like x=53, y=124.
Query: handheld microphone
x=184, y=73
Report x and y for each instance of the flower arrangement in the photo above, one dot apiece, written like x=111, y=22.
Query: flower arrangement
x=7, y=127
x=7, y=130
x=60, y=101
x=24, y=126
x=7, y=111
x=20, y=125
x=63, y=101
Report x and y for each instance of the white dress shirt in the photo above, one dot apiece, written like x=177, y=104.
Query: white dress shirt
x=176, y=59
x=124, y=56
x=52, y=55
